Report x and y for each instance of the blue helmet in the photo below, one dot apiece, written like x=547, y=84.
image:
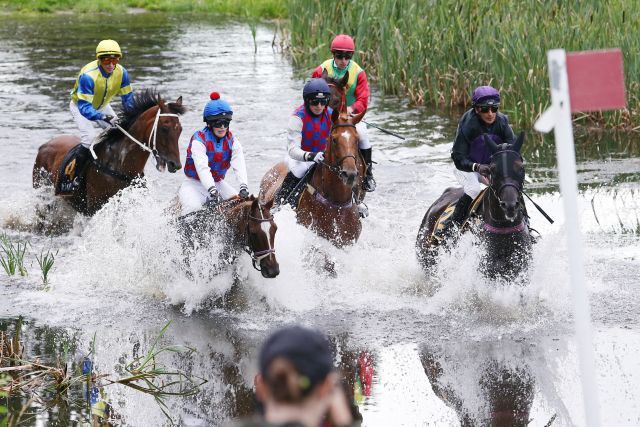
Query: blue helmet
x=316, y=89
x=485, y=95
x=217, y=108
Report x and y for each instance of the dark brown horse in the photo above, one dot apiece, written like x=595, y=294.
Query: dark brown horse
x=504, y=229
x=150, y=126
x=243, y=224
x=328, y=204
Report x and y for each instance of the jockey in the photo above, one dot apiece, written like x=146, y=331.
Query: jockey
x=307, y=132
x=211, y=152
x=470, y=154
x=342, y=48
x=97, y=83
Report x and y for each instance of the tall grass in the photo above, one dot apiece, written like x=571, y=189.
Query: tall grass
x=436, y=52
x=12, y=255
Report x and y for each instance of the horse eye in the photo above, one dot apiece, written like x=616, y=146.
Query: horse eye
x=164, y=129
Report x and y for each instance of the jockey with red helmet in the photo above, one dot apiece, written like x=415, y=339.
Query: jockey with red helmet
x=307, y=132
x=470, y=154
x=343, y=48
x=211, y=152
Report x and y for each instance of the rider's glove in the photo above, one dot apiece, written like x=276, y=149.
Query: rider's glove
x=482, y=169
x=314, y=157
x=244, y=192
x=109, y=119
x=213, y=193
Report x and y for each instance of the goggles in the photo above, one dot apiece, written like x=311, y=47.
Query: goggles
x=486, y=108
x=319, y=101
x=219, y=123
x=113, y=60
x=342, y=55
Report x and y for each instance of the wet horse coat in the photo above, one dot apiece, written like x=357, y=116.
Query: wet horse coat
x=151, y=121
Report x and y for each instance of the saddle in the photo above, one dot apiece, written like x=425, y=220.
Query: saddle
x=72, y=170
x=473, y=209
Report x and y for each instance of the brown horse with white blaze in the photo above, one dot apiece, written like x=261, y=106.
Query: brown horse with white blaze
x=328, y=204
x=121, y=156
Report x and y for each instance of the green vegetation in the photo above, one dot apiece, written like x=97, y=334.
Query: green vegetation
x=437, y=51
x=45, y=261
x=265, y=9
x=12, y=255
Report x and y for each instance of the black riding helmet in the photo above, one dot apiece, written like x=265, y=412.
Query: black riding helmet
x=316, y=89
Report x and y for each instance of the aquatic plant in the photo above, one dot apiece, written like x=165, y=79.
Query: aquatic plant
x=437, y=52
x=12, y=256
x=45, y=261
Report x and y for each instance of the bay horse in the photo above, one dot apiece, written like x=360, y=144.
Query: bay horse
x=243, y=224
x=328, y=204
x=504, y=228
x=121, y=156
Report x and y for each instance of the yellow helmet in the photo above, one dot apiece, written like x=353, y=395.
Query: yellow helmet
x=108, y=47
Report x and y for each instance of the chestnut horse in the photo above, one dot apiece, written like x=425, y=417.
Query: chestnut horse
x=244, y=224
x=328, y=204
x=504, y=231
x=121, y=156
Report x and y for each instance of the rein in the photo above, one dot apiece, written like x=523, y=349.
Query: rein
x=151, y=144
x=256, y=257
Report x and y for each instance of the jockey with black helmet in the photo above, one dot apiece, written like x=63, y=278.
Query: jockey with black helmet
x=307, y=132
x=342, y=49
x=211, y=152
x=470, y=154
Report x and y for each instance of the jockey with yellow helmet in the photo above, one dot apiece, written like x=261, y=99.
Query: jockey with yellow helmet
x=343, y=48
x=97, y=83
x=212, y=151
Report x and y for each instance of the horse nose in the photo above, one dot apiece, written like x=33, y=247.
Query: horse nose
x=348, y=177
x=270, y=271
x=173, y=166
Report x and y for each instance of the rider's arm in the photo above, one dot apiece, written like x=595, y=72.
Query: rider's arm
x=238, y=163
x=317, y=73
x=85, y=98
x=201, y=162
x=460, y=151
x=362, y=94
x=126, y=93
x=294, y=139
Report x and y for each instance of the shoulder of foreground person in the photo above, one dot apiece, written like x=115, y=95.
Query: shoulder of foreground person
x=258, y=422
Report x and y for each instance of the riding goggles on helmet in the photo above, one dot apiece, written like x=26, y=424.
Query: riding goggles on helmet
x=111, y=59
x=219, y=123
x=486, y=108
x=342, y=55
x=319, y=101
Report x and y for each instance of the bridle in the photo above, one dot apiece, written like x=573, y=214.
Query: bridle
x=256, y=257
x=337, y=166
x=151, y=145
x=518, y=186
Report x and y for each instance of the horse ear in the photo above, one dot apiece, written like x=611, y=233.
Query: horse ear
x=356, y=119
x=518, y=144
x=325, y=75
x=345, y=80
x=269, y=204
x=334, y=115
x=490, y=143
x=179, y=101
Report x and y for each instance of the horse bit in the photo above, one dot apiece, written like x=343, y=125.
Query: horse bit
x=256, y=257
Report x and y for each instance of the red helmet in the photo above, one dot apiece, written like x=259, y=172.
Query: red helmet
x=343, y=42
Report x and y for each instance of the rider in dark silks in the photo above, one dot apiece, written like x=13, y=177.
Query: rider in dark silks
x=470, y=154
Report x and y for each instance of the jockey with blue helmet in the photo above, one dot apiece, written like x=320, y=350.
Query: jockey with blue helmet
x=211, y=152
x=470, y=154
x=307, y=132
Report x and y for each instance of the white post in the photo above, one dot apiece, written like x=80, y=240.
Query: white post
x=558, y=116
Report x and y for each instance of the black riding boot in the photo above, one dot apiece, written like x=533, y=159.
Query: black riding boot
x=369, y=182
x=457, y=217
x=284, y=194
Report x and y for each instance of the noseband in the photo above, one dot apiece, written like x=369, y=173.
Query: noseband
x=256, y=257
x=337, y=166
x=506, y=174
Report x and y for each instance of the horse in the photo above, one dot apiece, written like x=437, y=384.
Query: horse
x=244, y=224
x=328, y=204
x=120, y=154
x=504, y=225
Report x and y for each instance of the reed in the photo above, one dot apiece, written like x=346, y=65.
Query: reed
x=12, y=256
x=436, y=52
x=46, y=261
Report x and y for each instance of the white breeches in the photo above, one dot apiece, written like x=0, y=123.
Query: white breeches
x=363, y=136
x=470, y=181
x=193, y=195
x=297, y=167
x=89, y=129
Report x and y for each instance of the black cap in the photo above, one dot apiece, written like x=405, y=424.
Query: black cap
x=308, y=350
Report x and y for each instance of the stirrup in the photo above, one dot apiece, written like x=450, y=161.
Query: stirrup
x=363, y=210
x=369, y=184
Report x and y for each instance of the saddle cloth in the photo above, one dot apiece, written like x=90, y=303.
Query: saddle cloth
x=475, y=205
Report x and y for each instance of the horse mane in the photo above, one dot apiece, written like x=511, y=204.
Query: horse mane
x=142, y=101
